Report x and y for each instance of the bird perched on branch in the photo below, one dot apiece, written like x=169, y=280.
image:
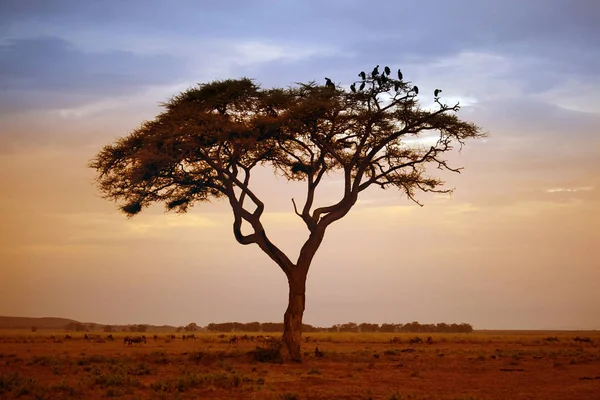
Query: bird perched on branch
x=329, y=84
x=399, y=75
x=375, y=71
x=415, y=89
x=363, y=75
x=362, y=86
x=353, y=88
x=387, y=70
x=436, y=92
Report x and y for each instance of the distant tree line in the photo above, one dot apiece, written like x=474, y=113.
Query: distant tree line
x=412, y=327
x=277, y=327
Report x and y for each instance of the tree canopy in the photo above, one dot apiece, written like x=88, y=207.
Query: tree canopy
x=209, y=138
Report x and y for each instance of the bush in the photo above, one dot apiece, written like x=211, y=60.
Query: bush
x=267, y=355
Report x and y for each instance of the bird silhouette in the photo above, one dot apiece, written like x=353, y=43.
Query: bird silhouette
x=387, y=70
x=399, y=75
x=416, y=90
x=436, y=92
x=363, y=75
x=396, y=86
x=329, y=84
x=375, y=71
x=362, y=86
x=353, y=88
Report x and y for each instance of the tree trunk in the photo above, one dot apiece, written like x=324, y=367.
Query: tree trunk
x=292, y=319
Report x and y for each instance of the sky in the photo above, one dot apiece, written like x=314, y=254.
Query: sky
x=516, y=246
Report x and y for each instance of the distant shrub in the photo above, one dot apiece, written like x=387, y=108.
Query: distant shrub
x=290, y=396
x=270, y=354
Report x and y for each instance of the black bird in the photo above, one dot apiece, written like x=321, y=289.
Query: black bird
x=383, y=79
x=387, y=70
x=396, y=86
x=416, y=90
x=436, y=92
x=399, y=75
x=329, y=84
x=362, y=86
x=363, y=75
x=375, y=71
x=353, y=88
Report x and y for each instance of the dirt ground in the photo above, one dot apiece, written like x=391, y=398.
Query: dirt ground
x=492, y=365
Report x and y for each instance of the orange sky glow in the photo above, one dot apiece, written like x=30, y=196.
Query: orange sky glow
x=516, y=246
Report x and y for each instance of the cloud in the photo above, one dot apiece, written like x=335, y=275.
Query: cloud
x=50, y=72
x=570, y=190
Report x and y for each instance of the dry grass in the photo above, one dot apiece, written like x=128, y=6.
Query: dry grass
x=481, y=365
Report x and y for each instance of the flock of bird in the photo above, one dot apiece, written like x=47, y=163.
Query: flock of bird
x=383, y=78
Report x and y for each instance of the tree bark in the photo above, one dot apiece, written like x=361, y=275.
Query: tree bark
x=292, y=319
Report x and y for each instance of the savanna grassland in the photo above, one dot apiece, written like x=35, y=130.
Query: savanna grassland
x=479, y=365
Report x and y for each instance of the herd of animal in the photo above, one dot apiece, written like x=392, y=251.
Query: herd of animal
x=233, y=340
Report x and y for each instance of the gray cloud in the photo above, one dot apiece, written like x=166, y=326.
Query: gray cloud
x=50, y=71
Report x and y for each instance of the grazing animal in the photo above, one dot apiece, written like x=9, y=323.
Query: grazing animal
x=155, y=337
x=583, y=339
x=429, y=340
x=110, y=337
x=415, y=340
x=136, y=339
x=395, y=339
x=192, y=336
x=221, y=336
x=551, y=339
x=307, y=339
x=233, y=341
x=269, y=340
x=68, y=337
x=318, y=353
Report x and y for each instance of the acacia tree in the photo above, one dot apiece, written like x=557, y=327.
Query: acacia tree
x=209, y=139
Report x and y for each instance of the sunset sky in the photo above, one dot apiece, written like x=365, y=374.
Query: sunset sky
x=517, y=246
